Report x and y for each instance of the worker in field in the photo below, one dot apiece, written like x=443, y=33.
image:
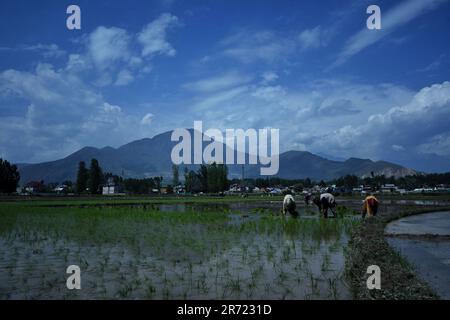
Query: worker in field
x=289, y=205
x=324, y=202
x=370, y=206
x=307, y=198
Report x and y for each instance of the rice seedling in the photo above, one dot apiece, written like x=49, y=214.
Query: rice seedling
x=150, y=292
x=332, y=288
x=325, y=267
x=282, y=276
x=132, y=245
x=313, y=285
x=235, y=285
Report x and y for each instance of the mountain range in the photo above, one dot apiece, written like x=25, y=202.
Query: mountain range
x=151, y=157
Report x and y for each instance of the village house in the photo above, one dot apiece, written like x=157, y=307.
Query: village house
x=179, y=189
x=389, y=188
x=62, y=188
x=34, y=187
x=362, y=190
x=110, y=188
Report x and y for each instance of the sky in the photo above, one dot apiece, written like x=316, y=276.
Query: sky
x=309, y=68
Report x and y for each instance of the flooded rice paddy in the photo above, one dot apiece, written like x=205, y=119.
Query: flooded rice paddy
x=214, y=252
x=240, y=250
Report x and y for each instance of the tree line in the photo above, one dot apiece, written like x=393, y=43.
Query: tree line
x=408, y=182
x=209, y=178
x=91, y=180
x=348, y=182
x=9, y=177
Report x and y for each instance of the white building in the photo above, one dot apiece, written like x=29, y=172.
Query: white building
x=389, y=187
x=111, y=188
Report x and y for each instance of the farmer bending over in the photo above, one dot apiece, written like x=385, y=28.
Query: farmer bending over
x=324, y=202
x=370, y=206
x=289, y=205
x=307, y=198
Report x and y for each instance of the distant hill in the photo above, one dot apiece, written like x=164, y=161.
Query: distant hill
x=151, y=157
x=303, y=164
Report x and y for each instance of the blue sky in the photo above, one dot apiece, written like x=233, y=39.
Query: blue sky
x=309, y=68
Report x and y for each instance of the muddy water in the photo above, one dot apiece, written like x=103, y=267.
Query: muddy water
x=429, y=255
x=436, y=223
x=156, y=260
x=130, y=257
x=307, y=271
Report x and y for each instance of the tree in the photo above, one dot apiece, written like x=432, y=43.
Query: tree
x=203, y=177
x=176, y=175
x=211, y=178
x=158, y=182
x=308, y=183
x=139, y=186
x=82, y=177
x=95, y=177
x=9, y=177
x=188, y=179
x=69, y=186
x=193, y=183
x=109, y=177
x=68, y=183
x=223, y=177
x=350, y=181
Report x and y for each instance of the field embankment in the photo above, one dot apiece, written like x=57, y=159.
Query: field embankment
x=368, y=246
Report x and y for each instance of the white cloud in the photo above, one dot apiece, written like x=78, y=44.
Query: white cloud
x=117, y=57
x=337, y=108
x=420, y=125
x=107, y=46
x=147, y=119
x=124, y=77
x=224, y=81
x=438, y=144
x=269, y=77
x=396, y=147
x=269, y=92
x=434, y=65
x=62, y=115
x=248, y=46
x=268, y=46
x=77, y=63
x=212, y=101
x=59, y=110
x=153, y=36
x=313, y=115
x=312, y=38
x=47, y=50
x=398, y=16
x=109, y=108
